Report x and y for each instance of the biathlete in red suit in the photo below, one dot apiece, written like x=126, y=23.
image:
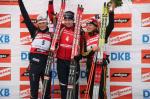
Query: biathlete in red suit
x=64, y=53
x=41, y=40
x=90, y=40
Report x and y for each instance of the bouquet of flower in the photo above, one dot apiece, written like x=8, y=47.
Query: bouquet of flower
x=117, y=3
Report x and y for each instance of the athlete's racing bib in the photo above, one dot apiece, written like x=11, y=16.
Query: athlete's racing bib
x=92, y=42
x=41, y=44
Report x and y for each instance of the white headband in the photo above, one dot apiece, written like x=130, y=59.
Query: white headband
x=41, y=21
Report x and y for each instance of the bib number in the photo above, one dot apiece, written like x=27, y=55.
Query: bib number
x=41, y=44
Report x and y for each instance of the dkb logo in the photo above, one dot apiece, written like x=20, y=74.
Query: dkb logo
x=120, y=56
x=146, y=94
x=4, y=92
x=25, y=55
x=146, y=38
x=4, y=38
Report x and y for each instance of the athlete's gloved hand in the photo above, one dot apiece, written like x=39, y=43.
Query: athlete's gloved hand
x=106, y=60
x=19, y=1
x=51, y=0
x=56, y=45
x=78, y=57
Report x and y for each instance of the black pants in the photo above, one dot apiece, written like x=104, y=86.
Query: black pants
x=101, y=91
x=36, y=72
x=63, y=67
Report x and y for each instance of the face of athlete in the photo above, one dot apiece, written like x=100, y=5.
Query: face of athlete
x=42, y=25
x=68, y=22
x=91, y=27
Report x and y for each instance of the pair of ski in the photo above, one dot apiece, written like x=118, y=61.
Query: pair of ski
x=71, y=88
x=51, y=55
x=97, y=69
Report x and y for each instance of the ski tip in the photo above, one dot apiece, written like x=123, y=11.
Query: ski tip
x=81, y=6
x=78, y=5
x=104, y=3
x=63, y=1
x=50, y=1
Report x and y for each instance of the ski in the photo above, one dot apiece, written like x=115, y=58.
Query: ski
x=102, y=29
x=50, y=58
x=51, y=10
x=53, y=19
x=97, y=78
x=59, y=21
x=51, y=55
x=75, y=49
x=87, y=96
x=99, y=69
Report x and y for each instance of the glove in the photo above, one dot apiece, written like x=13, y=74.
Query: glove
x=106, y=61
x=78, y=57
